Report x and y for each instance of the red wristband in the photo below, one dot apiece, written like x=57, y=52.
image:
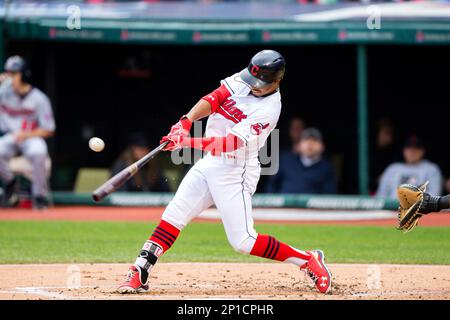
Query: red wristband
x=186, y=123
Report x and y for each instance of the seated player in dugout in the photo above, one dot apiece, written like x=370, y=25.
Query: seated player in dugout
x=242, y=113
x=26, y=119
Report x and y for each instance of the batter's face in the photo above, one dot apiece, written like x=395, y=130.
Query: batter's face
x=266, y=90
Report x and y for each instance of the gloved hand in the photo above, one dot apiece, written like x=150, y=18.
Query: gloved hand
x=176, y=142
x=177, y=132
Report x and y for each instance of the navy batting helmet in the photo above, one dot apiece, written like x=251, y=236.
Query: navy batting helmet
x=18, y=64
x=265, y=67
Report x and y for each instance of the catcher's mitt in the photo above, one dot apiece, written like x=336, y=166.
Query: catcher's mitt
x=411, y=200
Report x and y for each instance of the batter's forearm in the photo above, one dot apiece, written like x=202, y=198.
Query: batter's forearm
x=199, y=111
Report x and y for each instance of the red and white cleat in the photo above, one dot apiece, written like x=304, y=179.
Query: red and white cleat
x=316, y=269
x=135, y=282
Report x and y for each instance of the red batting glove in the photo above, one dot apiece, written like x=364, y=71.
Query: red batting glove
x=177, y=132
x=176, y=142
x=181, y=128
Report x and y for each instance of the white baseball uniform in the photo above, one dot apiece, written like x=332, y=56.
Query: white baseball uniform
x=229, y=180
x=22, y=113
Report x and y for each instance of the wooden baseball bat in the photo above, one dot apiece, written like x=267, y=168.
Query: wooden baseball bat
x=123, y=176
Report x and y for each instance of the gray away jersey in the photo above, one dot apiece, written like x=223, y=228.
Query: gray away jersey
x=24, y=113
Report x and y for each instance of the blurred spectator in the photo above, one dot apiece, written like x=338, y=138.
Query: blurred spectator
x=149, y=178
x=296, y=127
x=415, y=170
x=384, y=152
x=304, y=170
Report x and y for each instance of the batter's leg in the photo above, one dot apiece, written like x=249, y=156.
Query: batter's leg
x=191, y=198
x=35, y=150
x=234, y=202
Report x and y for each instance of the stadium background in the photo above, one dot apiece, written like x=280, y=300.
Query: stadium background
x=341, y=77
x=89, y=85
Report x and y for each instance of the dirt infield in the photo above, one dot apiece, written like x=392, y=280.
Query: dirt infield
x=225, y=280
x=153, y=214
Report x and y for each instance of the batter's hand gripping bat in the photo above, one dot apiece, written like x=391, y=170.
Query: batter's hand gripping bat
x=123, y=176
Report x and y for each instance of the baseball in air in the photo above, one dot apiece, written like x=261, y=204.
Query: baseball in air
x=96, y=144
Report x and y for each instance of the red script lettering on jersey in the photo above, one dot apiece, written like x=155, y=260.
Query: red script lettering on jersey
x=16, y=112
x=229, y=111
x=257, y=128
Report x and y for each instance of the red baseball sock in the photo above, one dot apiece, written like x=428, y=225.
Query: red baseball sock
x=165, y=235
x=270, y=248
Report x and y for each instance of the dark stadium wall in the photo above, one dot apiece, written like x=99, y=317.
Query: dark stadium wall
x=409, y=85
x=111, y=91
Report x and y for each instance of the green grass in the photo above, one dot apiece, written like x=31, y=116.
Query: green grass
x=52, y=242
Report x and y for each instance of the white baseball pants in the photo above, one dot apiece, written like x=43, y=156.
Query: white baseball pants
x=226, y=183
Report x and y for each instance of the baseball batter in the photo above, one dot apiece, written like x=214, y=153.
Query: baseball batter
x=242, y=113
x=26, y=119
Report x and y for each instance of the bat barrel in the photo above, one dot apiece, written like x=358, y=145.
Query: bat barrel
x=103, y=191
x=114, y=183
x=97, y=197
